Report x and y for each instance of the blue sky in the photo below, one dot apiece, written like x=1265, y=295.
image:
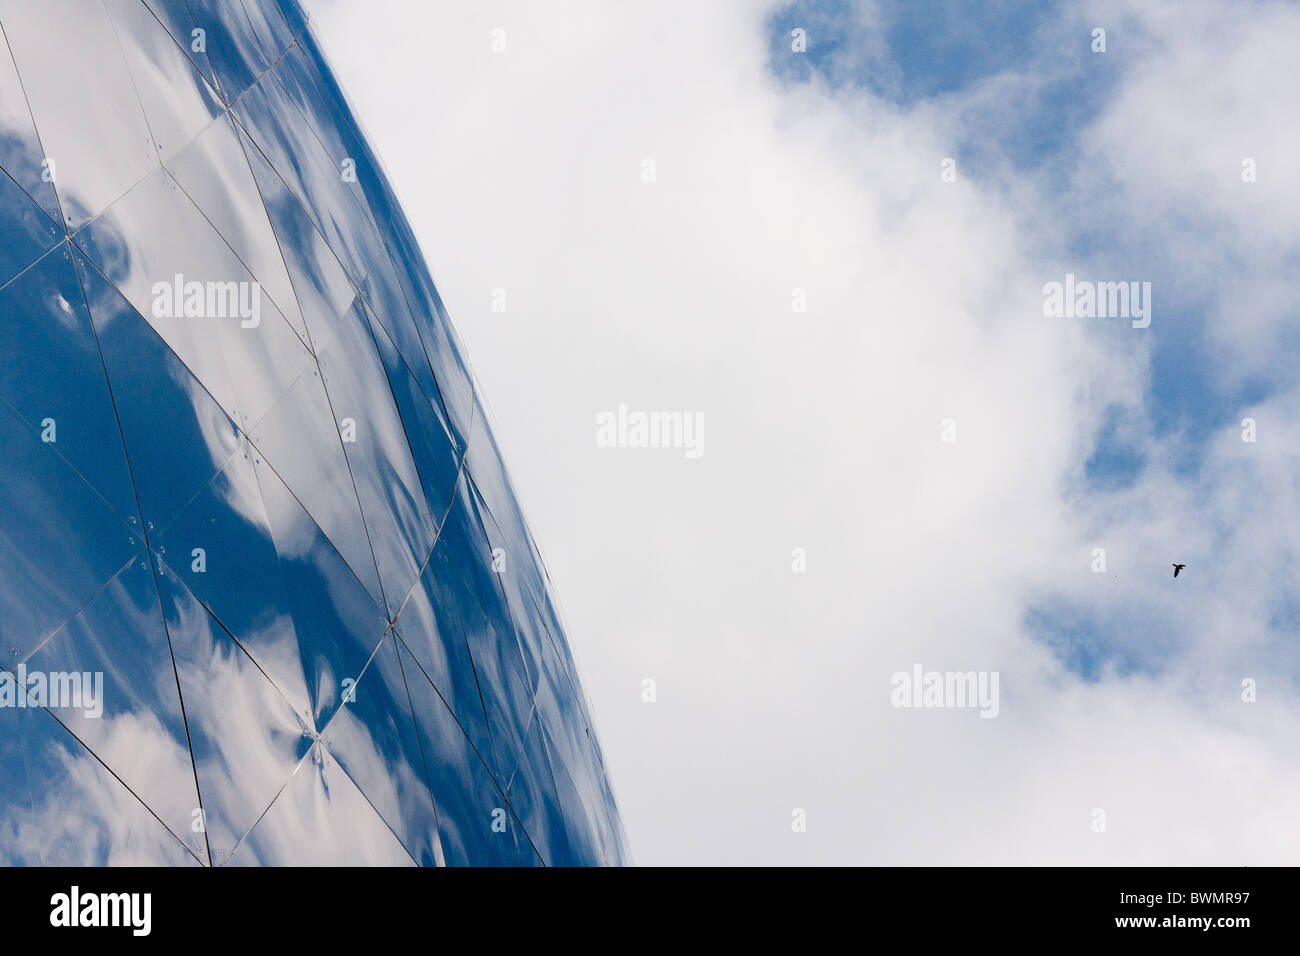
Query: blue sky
x=913, y=53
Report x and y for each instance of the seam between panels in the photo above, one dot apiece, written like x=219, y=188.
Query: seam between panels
x=470, y=654
x=524, y=828
x=50, y=637
x=79, y=248
x=386, y=189
x=39, y=259
x=239, y=844
x=311, y=366
x=555, y=787
x=321, y=68
x=329, y=401
x=389, y=194
x=216, y=80
x=221, y=348
x=252, y=29
x=529, y=540
x=505, y=796
x=574, y=679
x=362, y=204
x=310, y=517
x=575, y=689
x=221, y=93
x=370, y=308
x=476, y=498
x=570, y=679
x=528, y=691
x=233, y=637
x=288, y=780
x=554, y=758
x=365, y=526
x=437, y=536
x=238, y=128
x=71, y=467
x=548, y=592
x=550, y=638
x=378, y=815
x=144, y=531
x=75, y=614
x=442, y=400
x=128, y=789
x=388, y=251
x=393, y=624
x=56, y=226
x=487, y=725
x=241, y=128
x=226, y=111
x=459, y=726
x=240, y=644
x=99, y=214
x=364, y=207
x=389, y=628
x=398, y=644
x=473, y=666
x=126, y=65
x=233, y=424
x=200, y=382
x=318, y=735
x=73, y=233
x=160, y=531
x=469, y=740
x=76, y=248
x=220, y=235
x=228, y=114
x=181, y=47
x=168, y=176
x=406, y=431
x=358, y=296
x=58, y=199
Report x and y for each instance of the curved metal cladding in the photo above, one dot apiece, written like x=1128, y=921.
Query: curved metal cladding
x=266, y=596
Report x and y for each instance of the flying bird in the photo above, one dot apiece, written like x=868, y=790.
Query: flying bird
x=1177, y=568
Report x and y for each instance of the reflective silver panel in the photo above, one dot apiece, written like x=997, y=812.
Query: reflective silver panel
x=266, y=595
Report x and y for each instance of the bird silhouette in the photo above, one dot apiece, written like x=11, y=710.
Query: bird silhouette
x=1177, y=568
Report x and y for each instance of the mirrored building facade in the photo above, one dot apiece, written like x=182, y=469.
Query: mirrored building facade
x=266, y=595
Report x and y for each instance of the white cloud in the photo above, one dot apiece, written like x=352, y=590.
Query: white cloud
x=522, y=171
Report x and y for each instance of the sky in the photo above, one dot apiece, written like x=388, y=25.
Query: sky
x=626, y=204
